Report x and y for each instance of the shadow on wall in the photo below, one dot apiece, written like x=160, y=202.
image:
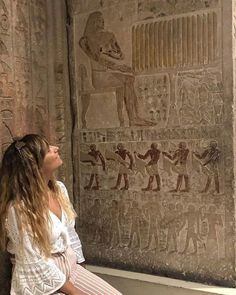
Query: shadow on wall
x=5, y=273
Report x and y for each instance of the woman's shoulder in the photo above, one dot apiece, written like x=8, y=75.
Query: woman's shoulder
x=11, y=216
x=11, y=209
x=62, y=188
x=60, y=184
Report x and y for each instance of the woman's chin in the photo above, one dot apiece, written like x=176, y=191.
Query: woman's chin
x=60, y=163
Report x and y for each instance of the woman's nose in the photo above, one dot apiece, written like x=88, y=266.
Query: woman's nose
x=55, y=148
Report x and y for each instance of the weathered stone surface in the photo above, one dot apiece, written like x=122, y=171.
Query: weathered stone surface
x=34, y=92
x=154, y=89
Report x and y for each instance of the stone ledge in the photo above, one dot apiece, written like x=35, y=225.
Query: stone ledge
x=127, y=282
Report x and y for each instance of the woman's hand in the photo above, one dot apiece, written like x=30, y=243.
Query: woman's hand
x=69, y=289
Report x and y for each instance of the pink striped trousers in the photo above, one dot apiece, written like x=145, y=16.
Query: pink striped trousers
x=83, y=279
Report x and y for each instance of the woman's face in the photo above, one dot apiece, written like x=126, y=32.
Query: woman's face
x=51, y=160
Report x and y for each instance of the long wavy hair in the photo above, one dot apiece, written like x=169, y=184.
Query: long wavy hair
x=22, y=185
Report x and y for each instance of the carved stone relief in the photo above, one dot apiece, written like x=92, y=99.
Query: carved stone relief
x=80, y=6
x=178, y=41
x=153, y=231
x=29, y=92
x=154, y=170
x=168, y=166
x=158, y=8
x=199, y=98
x=162, y=199
x=4, y=17
x=24, y=67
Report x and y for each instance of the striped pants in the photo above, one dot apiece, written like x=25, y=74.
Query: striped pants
x=81, y=278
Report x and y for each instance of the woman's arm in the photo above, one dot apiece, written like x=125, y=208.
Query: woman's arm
x=75, y=242
x=32, y=270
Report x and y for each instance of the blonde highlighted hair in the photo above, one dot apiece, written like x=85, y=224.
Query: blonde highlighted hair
x=23, y=186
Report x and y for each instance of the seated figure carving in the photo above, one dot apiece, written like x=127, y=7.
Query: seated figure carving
x=108, y=70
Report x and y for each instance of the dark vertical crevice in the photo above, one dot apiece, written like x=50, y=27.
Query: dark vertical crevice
x=72, y=96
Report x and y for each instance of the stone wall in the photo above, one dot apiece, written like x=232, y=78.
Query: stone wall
x=34, y=88
x=152, y=89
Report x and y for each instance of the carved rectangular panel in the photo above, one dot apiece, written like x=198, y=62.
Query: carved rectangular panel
x=184, y=41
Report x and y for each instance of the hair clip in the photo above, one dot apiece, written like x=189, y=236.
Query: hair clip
x=19, y=144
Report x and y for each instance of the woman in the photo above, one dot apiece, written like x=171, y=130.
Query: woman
x=37, y=224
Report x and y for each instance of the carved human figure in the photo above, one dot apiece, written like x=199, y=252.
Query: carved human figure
x=122, y=212
x=164, y=110
x=136, y=216
x=4, y=16
x=3, y=53
x=115, y=234
x=11, y=90
x=217, y=97
x=123, y=170
x=188, y=111
x=4, y=84
x=152, y=166
x=105, y=226
x=108, y=70
x=153, y=217
x=192, y=221
x=206, y=106
x=169, y=222
x=179, y=219
x=21, y=19
x=95, y=221
x=210, y=161
x=3, y=7
x=214, y=220
x=96, y=154
x=164, y=99
x=180, y=157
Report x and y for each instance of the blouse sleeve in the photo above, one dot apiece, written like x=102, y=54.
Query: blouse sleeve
x=33, y=273
x=75, y=242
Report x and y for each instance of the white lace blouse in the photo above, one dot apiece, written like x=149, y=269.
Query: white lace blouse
x=34, y=274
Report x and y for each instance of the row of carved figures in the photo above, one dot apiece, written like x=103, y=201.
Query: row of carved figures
x=126, y=164
x=153, y=225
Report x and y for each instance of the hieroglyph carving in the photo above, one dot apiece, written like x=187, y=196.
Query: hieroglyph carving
x=4, y=17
